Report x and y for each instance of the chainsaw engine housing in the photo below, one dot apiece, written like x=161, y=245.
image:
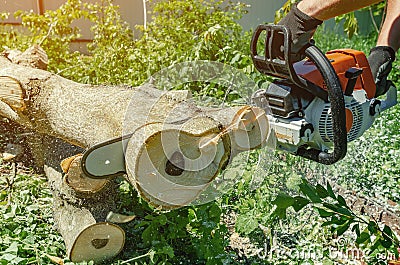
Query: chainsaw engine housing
x=319, y=104
x=301, y=119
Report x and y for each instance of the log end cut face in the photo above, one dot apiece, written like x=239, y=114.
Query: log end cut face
x=98, y=242
x=77, y=180
x=250, y=129
x=171, y=165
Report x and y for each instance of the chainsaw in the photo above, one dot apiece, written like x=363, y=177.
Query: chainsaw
x=317, y=105
x=314, y=107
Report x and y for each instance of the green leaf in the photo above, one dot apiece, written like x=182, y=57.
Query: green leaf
x=147, y=235
x=330, y=191
x=387, y=234
x=375, y=246
x=340, y=210
x=330, y=206
x=356, y=229
x=13, y=248
x=372, y=227
x=162, y=219
x=322, y=192
x=299, y=203
x=168, y=250
x=343, y=228
x=8, y=257
x=310, y=192
x=280, y=213
x=215, y=212
x=364, y=236
x=341, y=201
x=345, y=212
x=246, y=223
x=386, y=243
x=323, y=213
x=387, y=231
x=283, y=201
x=327, y=223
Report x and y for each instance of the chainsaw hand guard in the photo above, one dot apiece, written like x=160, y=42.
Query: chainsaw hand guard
x=337, y=109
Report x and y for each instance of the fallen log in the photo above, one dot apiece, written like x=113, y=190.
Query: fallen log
x=85, y=115
x=174, y=152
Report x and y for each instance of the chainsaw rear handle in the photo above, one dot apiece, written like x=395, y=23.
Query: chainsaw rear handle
x=281, y=66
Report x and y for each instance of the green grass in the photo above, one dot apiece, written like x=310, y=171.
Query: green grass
x=27, y=235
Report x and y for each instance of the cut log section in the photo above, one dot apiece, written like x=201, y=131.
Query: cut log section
x=85, y=239
x=170, y=165
x=166, y=165
x=97, y=242
x=81, y=217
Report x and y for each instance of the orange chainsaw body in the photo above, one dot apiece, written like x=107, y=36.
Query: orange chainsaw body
x=341, y=60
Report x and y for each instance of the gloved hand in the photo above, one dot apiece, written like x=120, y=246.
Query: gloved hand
x=380, y=60
x=301, y=28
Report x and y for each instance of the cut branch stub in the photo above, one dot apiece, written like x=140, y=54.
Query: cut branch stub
x=12, y=93
x=76, y=179
x=34, y=57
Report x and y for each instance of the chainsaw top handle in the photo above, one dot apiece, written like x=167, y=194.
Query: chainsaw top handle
x=280, y=65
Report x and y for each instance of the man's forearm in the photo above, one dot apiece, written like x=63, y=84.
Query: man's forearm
x=327, y=9
x=390, y=32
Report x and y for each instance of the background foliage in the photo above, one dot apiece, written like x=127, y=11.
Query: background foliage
x=186, y=31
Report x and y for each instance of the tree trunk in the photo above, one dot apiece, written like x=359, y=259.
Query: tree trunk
x=85, y=115
x=176, y=148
